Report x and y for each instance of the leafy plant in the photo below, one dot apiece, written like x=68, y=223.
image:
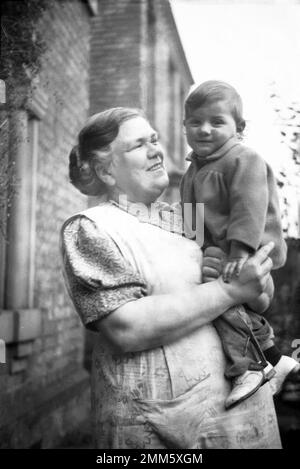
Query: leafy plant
x=22, y=48
x=288, y=121
x=8, y=180
x=22, y=45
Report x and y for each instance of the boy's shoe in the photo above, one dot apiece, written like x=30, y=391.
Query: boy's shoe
x=285, y=368
x=247, y=384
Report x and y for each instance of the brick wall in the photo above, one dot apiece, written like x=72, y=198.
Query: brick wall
x=169, y=82
x=65, y=79
x=45, y=394
x=137, y=60
x=115, y=55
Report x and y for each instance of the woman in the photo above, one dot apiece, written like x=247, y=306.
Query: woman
x=158, y=366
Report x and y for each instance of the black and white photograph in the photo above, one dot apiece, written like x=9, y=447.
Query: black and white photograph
x=150, y=228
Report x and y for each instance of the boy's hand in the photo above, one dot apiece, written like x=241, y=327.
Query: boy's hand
x=238, y=255
x=253, y=279
x=233, y=267
x=213, y=262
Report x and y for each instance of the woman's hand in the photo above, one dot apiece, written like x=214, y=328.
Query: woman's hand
x=213, y=262
x=262, y=303
x=254, y=277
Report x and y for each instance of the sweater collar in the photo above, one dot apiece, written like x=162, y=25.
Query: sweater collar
x=231, y=142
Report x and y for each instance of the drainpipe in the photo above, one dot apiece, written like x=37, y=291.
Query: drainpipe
x=19, y=222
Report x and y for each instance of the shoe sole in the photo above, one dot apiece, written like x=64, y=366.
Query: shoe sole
x=269, y=375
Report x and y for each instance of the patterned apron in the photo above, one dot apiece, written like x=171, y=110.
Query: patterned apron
x=171, y=396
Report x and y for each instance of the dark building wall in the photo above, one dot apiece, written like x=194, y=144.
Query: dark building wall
x=44, y=390
x=115, y=55
x=137, y=60
x=132, y=56
x=284, y=314
x=65, y=80
x=172, y=82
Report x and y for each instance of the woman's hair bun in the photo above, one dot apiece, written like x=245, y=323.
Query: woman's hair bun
x=83, y=176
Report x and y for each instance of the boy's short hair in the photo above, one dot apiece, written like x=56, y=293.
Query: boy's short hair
x=214, y=90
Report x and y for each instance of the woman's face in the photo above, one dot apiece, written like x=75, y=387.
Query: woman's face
x=137, y=162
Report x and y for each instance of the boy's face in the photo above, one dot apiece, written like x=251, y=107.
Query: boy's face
x=209, y=127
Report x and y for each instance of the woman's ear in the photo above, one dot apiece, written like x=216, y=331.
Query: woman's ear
x=105, y=174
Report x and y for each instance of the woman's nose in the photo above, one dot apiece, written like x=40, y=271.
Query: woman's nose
x=152, y=150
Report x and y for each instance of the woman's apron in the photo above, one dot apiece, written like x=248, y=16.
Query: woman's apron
x=172, y=396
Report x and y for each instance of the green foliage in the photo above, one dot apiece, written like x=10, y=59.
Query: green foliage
x=288, y=119
x=8, y=180
x=22, y=45
x=22, y=48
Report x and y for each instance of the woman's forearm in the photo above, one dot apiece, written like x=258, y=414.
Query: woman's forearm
x=157, y=320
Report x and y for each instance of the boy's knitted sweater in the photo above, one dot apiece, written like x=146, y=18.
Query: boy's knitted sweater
x=238, y=189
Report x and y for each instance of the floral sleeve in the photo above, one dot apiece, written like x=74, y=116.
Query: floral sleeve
x=98, y=278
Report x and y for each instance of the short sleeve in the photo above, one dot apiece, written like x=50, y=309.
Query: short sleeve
x=98, y=278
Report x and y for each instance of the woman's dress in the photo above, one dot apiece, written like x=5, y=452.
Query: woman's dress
x=171, y=396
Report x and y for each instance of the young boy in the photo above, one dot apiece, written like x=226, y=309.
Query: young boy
x=241, y=210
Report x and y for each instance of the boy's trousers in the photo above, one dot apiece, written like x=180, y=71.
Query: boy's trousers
x=244, y=335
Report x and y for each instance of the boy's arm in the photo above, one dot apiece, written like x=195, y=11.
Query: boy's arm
x=248, y=199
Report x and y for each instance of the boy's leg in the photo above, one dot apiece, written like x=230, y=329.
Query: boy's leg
x=239, y=344
x=284, y=366
x=264, y=335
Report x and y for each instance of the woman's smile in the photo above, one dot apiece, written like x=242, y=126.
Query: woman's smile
x=157, y=166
